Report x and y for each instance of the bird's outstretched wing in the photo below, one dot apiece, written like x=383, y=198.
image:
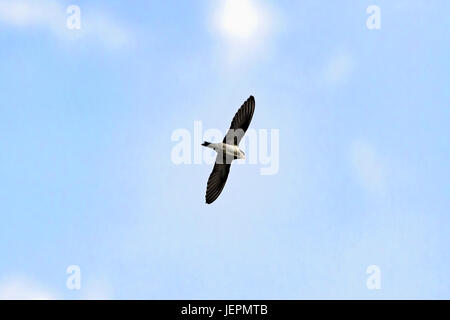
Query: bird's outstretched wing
x=241, y=122
x=216, y=181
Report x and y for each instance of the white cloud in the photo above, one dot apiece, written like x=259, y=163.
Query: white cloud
x=243, y=27
x=369, y=167
x=240, y=19
x=21, y=13
x=20, y=288
x=339, y=68
x=51, y=16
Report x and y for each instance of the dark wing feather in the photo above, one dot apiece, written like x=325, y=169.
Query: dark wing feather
x=216, y=181
x=241, y=122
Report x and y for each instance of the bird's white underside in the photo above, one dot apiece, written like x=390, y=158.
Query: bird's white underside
x=229, y=149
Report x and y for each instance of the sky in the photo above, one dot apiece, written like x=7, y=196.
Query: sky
x=87, y=178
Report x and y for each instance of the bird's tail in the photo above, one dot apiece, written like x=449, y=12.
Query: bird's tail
x=205, y=144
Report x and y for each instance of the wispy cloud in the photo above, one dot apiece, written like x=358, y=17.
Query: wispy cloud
x=338, y=68
x=369, y=167
x=23, y=13
x=100, y=27
x=24, y=288
x=51, y=16
x=20, y=288
x=97, y=289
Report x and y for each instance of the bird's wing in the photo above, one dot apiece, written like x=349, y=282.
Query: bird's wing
x=216, y=181
x=241, y=122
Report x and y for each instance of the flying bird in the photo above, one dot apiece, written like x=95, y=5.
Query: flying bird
x=228, y=150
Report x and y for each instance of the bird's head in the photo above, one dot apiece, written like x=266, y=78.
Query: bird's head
x=241, y=155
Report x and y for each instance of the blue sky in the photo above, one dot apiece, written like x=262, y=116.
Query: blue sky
x=86, y=118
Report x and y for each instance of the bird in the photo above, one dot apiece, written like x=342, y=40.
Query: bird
x=228, y=150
